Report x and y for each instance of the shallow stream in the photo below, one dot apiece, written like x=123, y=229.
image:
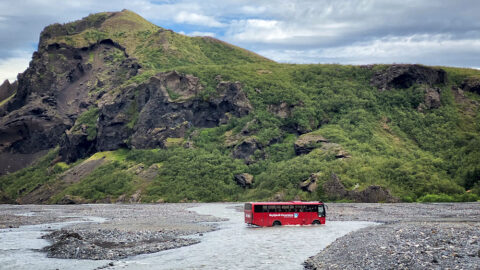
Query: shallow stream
x=238, y=246
x=234, y=246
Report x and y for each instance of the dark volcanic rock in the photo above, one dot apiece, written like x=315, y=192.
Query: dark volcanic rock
x=246, y=149
x=7, y=89
x=145, y=115
x=244, y=180
x=54, y=91
x=404, y=76
x=471, y=84
x=335, y=190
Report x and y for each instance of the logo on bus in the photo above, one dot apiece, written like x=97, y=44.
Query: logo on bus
x=281, y=215
x=295, y=215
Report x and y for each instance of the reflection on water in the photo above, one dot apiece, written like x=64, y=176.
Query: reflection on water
x=19, y=248
x=238, y=246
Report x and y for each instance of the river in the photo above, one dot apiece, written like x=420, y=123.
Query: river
x=234, y=246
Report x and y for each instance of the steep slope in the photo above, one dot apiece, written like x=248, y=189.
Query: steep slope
x=133, y=112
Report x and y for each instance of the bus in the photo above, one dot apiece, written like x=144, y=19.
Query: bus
x=267, y=214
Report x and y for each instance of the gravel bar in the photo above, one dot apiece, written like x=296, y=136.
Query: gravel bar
x=411, y=236
x=128, y=230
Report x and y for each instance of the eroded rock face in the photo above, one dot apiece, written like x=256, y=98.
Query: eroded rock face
x=244, y=180
x=60, y=84
x=166, y=106
x=404, y=76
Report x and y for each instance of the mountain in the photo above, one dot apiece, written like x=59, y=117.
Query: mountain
x=115, y=109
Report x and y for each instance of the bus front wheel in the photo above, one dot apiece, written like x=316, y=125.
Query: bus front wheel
x=316, y=222
x=277, y=223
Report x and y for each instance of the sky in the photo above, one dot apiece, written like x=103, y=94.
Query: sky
x=430, y=32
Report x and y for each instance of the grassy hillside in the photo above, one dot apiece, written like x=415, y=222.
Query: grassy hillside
x=429, y=155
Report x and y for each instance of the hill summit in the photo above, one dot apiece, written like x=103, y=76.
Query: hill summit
x=115, y=109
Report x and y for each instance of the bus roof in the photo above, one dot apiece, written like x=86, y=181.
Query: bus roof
x=285, y=203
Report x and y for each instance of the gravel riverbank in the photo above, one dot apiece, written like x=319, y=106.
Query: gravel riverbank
x=128, y=229
x=412, y=236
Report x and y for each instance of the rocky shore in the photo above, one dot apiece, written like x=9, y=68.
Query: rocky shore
x=128, y=230
x=411, y=236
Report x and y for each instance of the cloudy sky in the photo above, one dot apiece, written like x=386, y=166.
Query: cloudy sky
x=431, y=32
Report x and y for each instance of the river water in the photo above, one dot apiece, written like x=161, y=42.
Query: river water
x=238, y=246
x=19, y=248
x=234, y=246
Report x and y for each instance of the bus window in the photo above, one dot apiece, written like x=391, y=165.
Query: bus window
x=321, y=211
x=258, y=208
x=272, y=208
x=248, y=206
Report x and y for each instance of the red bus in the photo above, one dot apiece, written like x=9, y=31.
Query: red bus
x=284, y=213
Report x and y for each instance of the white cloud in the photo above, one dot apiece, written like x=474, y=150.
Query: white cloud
x=201, y=34
x=198, y=19
x=10, y=67
x=426, y=49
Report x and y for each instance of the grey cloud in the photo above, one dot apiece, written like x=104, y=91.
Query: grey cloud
x=302, y=26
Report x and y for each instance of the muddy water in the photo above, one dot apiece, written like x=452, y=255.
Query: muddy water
x=237, y=246
x=19, y=248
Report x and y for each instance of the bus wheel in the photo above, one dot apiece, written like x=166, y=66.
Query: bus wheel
x=316, y=222
x=277, y=223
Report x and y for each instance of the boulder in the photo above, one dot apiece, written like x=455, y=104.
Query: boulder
x=404, y=76
x=431, y=99
x=471, y=84
x=307, y=142
x=246, y=149
x=311, y=184
x=334, y=188
x=244, y=180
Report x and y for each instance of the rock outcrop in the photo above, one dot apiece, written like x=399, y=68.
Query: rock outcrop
x=335, y=190
x=59, y=85
x=145, y=115
x=431, y=99
x=404, y=76
x=471, y=84
x=311, y=184
x=244, y=180
x=246, y=149
x=307, y=142
x=7, y=89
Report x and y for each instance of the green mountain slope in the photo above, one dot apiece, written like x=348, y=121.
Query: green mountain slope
x=312, y=132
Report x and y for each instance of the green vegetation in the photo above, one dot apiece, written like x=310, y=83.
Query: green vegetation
x=426, y=156
x=88, y=120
